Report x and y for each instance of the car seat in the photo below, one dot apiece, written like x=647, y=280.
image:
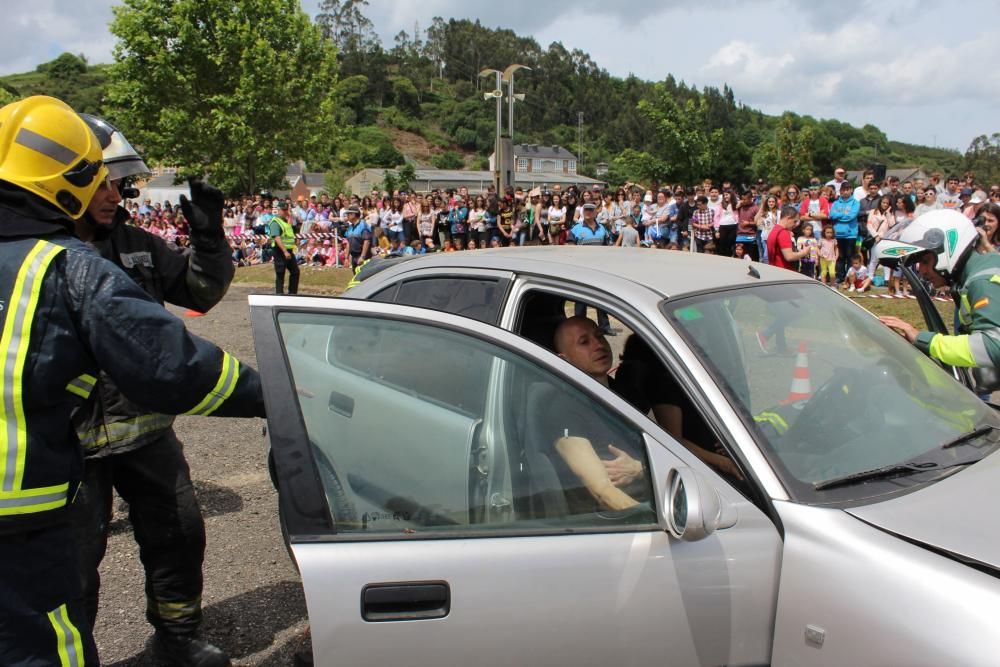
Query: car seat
x=546, y=498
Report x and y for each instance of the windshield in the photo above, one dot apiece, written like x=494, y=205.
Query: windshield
x=829, y=390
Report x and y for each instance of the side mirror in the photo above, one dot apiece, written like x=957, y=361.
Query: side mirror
x=692, y=508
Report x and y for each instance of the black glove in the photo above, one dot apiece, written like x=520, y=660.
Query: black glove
x=204, y=214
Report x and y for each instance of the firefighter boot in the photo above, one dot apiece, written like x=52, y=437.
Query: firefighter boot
x=187, y=651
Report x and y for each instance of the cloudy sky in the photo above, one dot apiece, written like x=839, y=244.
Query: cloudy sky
x=924, y=72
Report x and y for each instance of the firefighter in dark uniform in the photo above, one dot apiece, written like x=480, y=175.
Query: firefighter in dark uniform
x=131, y=450
x=68, y=314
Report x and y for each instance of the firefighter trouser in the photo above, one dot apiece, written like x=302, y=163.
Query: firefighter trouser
x=42, y=618
x=280, y=264
x=166, y=520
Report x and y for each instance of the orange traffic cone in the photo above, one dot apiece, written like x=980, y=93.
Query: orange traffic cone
x=192, y=313
x=800, y=389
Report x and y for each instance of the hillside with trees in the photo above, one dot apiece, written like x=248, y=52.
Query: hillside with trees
x=234, y=106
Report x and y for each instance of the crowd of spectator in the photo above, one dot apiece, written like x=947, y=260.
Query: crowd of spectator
x=839, y=221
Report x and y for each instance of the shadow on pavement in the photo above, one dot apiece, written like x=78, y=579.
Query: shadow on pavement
x=247, y=624
x=217, y=500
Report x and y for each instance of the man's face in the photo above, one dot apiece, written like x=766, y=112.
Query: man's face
x=952, y=185
x=866, y=179
x=925, y=267
x=589, y=216
x=579, y=342
x=713, y=194
x=839, y=175
x=872, y=190
x=105, y=202
x=845, y=193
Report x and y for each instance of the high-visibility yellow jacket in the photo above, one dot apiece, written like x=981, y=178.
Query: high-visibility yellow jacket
x=978, y=342
x=65, y=314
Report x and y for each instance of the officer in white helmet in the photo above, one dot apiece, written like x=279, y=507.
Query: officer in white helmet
x=946, y=249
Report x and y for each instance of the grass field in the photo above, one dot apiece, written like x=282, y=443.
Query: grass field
x=333, y=281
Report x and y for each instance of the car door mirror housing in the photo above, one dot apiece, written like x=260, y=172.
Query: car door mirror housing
x=692, y=507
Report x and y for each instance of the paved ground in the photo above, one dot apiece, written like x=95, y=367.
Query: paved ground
x=253, y=600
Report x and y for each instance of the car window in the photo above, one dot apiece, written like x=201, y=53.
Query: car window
x=828, y=389
x=638, y=375
x=476, y=298
x=417, y=429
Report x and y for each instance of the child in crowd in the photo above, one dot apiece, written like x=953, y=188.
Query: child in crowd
x=828, y=255
x=471, y=245
x=709, y=248
x=741, y=253
x=857, y=276
x=807, y=265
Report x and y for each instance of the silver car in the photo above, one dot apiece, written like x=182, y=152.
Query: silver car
x=434, y=523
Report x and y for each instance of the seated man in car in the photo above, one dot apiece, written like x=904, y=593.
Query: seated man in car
x=578, y=434
x=579, y=341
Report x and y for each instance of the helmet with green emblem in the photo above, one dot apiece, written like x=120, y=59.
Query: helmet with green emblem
x=948, y=234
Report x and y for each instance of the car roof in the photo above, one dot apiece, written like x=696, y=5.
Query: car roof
x=671, y=273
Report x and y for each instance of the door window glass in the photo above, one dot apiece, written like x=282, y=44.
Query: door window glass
x=469, y=297
x=417, y=429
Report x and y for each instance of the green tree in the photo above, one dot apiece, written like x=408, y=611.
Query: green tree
x=405, y=175
x=448, y=160
x=983, y=158
x=690, y=146
x=234, y=89
x=788, y=157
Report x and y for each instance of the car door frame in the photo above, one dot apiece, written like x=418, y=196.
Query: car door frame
x=307, y=514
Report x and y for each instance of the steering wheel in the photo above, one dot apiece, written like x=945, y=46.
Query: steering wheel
x=847, y=393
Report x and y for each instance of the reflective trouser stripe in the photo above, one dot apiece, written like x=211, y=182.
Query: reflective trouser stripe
x=26, y=501
x=958, y=350
x=68, y=643
x=222, y=390
x=82, y=386
x=173, y=611
x=14, y=344
x=99, y=436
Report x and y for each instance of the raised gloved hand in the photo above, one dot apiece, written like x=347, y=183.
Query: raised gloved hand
x=204, y=214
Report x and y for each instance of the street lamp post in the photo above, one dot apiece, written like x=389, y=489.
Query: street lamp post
x=498, y=94
x=508, y=76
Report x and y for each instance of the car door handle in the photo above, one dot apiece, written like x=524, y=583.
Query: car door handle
x=405, y=602
x=341, y=404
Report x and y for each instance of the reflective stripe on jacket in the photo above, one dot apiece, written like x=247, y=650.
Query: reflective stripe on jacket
x=66, y=313
x=978, y=344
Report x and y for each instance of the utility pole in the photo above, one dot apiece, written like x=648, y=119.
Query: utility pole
x=579, y=140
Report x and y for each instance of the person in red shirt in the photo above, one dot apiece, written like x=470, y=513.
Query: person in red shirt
x=781, y=250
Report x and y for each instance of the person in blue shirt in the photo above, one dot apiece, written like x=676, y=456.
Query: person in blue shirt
x=588, y=232
x=844, y=216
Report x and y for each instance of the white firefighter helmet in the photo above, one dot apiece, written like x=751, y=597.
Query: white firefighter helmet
x=949, y=234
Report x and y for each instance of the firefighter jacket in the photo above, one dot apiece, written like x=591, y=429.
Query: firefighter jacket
x=198, y=279
x=65, y=314
x=978, y=303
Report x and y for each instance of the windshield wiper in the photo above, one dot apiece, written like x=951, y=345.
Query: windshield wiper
x=891, y=470
x=971, y=435
x=895, y=469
